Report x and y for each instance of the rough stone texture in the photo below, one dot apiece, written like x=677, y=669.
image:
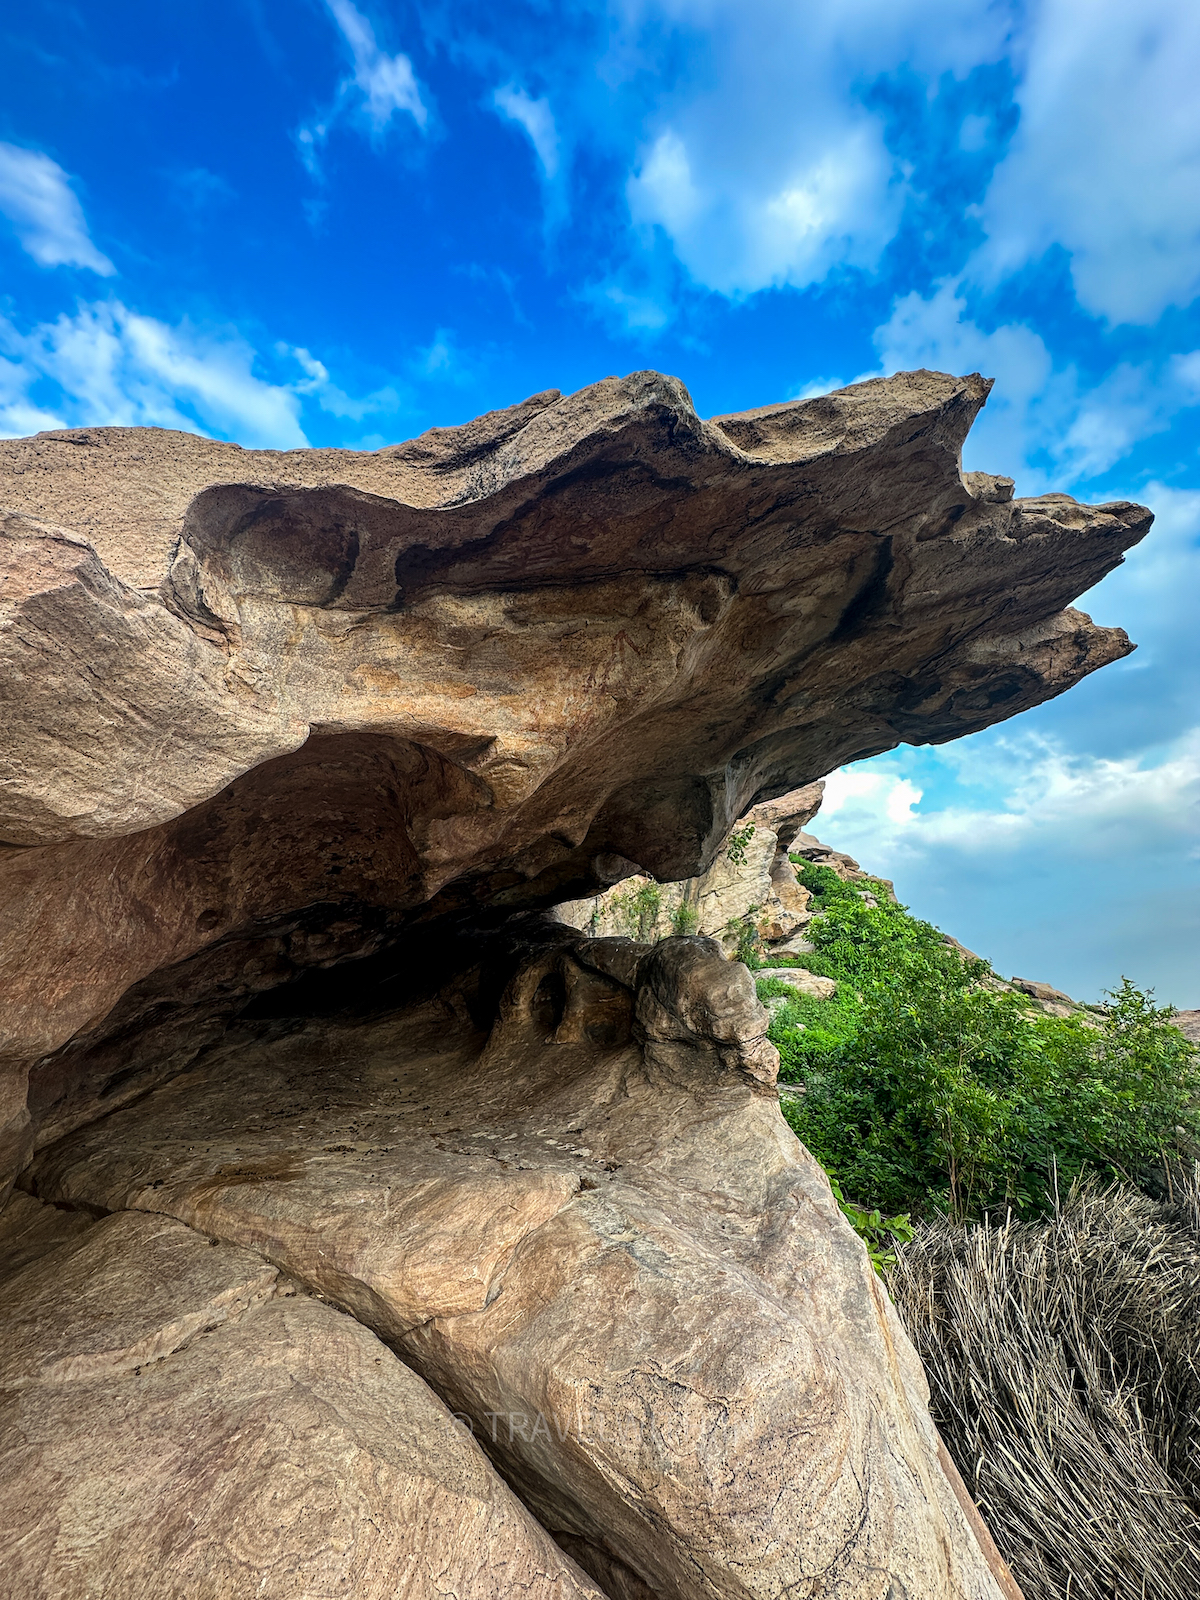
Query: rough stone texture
x=175, y=1421
x=284, y=698
x=294, y=748
x=1042, y=992
x=29, y=1229
x=1188, y=1023
x=755, y=884
x=590, y=1230
x=805, y=982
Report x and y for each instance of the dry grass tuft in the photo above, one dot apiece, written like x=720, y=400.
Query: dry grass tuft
x=1064, y=1362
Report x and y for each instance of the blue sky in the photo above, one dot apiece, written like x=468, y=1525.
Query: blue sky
x=339, y=223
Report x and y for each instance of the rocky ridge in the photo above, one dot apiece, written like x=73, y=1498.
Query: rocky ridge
x=298, y=751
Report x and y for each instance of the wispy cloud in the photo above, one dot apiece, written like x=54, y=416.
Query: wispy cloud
x=760, y=160
x=318, y=384
x=1052, y=863
x=537, y=119
x=37, y=198
x=1043, y=423
x=1106, y=158
x=388, y=83
x=108, y=365
x=381, y=86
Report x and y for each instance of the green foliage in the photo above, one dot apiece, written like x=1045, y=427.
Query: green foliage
x=880, y=1234
x=738, y=840
x=746, y=931
x=685, y=918
x=638, y=909
x=929, y=1087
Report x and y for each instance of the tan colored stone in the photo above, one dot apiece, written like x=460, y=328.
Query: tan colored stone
x=803, y=981
x=593, y=1234
x=171, y=1423
x=29, y=1229
x=252, y=700
x=753, y=884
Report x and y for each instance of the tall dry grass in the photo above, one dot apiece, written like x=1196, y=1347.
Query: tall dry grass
x=1064, y=1362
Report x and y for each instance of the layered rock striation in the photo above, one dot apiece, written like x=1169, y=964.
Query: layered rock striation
x=295, y=751
x=319, y=694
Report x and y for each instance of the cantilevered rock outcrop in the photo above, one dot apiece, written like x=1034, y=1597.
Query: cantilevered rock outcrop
x=294, y=750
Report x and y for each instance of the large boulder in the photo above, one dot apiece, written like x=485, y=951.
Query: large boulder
x=176, y=1420
x=296, y=750
x=589, y=1230
x=498, y=667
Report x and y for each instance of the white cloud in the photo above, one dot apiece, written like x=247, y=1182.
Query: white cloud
x=1054, y=864
x=107, y=365
x=774, y=173
x=37, y=198
x=320, y=386
x=387, y=83
x=536, y=118
x=831, y=206
x=1106, y=159
x=764, y=165
x=1036, y=409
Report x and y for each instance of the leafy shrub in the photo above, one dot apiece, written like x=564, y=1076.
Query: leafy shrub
x=747, y=934
x=880, y=1234
x=637, y=909
x=685, y=918
x=738, y=840
x=930, y=1087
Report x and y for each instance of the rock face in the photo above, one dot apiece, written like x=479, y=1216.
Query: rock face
x=750, y=884
x=175, y=1419
x=297, y=749
x=493, y=669
x=590, y=1231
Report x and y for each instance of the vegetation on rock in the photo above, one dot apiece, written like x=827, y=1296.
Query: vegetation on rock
x=930, y=1086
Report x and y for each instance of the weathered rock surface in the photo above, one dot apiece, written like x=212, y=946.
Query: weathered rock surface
x=495, y=668
x=750, y=882
x=1188, y=1023
x=803, y=981
x=591, y=1231
x=175, y=1420
x=292, y=749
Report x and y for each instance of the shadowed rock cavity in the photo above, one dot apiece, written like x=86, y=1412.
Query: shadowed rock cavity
x=296, y=749
x=584, y=1224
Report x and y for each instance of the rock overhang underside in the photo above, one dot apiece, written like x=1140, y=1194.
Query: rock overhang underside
x=300, y=744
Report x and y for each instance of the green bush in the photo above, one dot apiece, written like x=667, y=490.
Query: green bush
x=637, y=909
x=685, y=919
x=930, y=1088
x=736, y=847
x=747, y=934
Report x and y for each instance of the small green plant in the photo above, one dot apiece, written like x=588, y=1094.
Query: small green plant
x=880, y=1234
x=685, y=918
x=638, y=910
x=735, y=850
x=746, y=933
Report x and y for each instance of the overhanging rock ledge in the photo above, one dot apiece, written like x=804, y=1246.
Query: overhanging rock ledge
x=293, y=749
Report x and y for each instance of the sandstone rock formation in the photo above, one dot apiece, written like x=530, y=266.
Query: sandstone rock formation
x=751, y=882
x=175, y=1420
x=296, y=749
x=590, y=1231
x=492, y=669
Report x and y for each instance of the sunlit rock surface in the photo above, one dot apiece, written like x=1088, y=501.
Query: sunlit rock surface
x=294, y=750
